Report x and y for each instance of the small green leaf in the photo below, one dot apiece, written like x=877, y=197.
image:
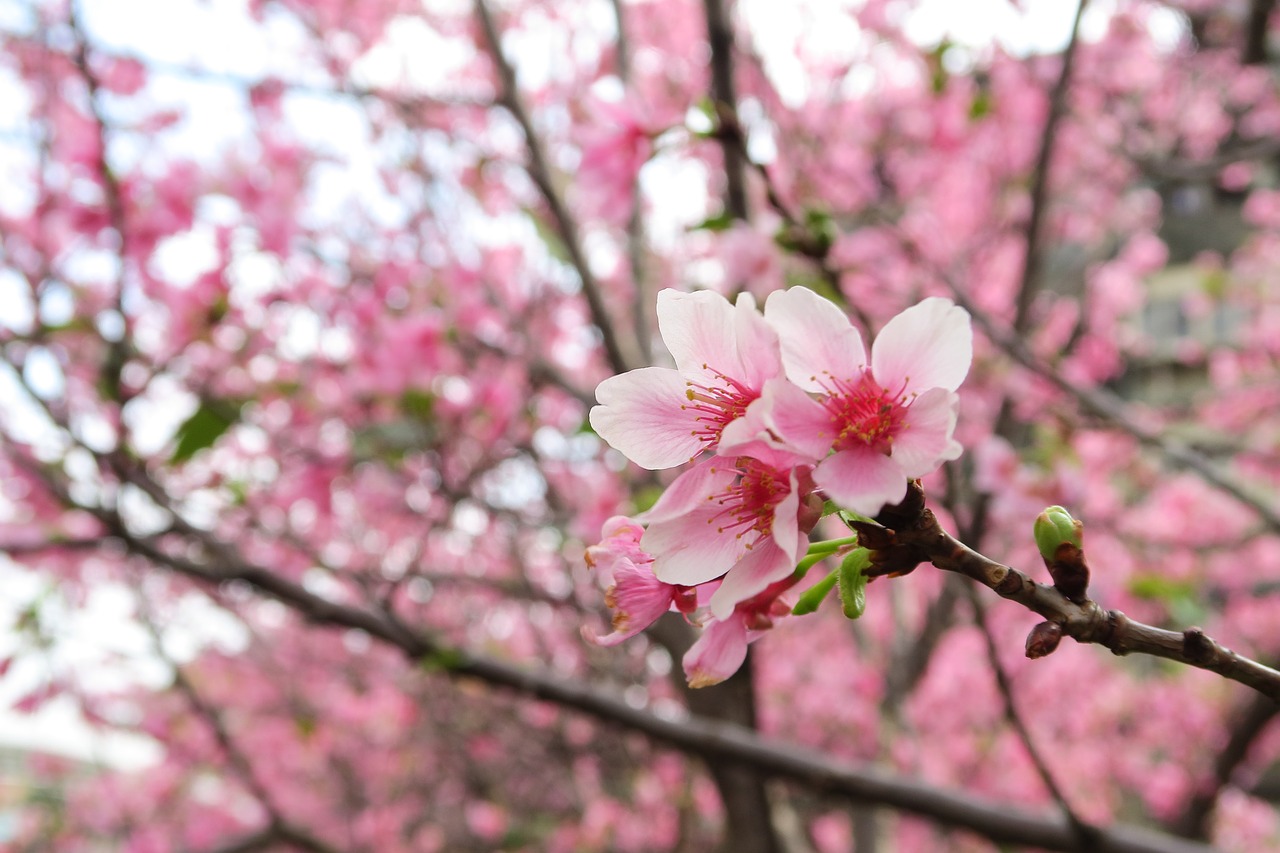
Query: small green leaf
x=722, y=221
x=981, y=105
x=206, y=424
x=853, y=583
x=418, y=404
x=815, y=594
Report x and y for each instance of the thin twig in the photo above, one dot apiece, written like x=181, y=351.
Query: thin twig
x=1084, y=831
x=1246, y=727
x=1029, y=279
x=540, y=172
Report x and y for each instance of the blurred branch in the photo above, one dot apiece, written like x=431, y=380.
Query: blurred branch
x=724, y=96
x=1029, y=279
x=1084, y=831
x=1248, y=725
x=540, y=171
x=711, y=740
x=1114, y=411
x=1256, y=32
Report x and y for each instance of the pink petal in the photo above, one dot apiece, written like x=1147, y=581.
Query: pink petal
x=764, y=564
x=683, y=535
x=758, y=433
x=642, y=414
x=816, y=337
x=929, y=345
x=717, y=654
x=925, y=441
x=861, y=480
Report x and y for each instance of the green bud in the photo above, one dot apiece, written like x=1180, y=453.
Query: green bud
x=1055, y=527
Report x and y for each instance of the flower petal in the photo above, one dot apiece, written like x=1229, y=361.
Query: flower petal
x=698, y=329
x=718, y=652
x=783, y=427
x=759, y=351
x=861, y=480
x=816, y=337
x=925, y=441
x=684, y=537
x=763, y=565
x=929, y=345
x=642, y=414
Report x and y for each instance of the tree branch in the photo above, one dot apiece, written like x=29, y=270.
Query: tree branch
x=724, y=95
x=912, y=535
x=1247, y=726
x=540, y=172
x=1029, y=280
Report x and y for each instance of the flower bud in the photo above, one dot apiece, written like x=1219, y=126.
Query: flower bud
x=1059, y=537
x=1054, y=527
x=1043, y=639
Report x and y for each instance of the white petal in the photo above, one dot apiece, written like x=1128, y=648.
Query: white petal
x=929, y=345
x=642, y=414
x=698, y=329
x=816, y=337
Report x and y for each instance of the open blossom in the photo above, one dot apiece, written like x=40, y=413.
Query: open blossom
x=887, y=421
x=659, y=417
x=744, y=519
x=635, y=596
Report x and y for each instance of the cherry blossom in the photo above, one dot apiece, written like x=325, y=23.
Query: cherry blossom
x=888, y=421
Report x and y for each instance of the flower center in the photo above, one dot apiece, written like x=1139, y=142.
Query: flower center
x=717, y=405
x=864, y=415
x=747, y=506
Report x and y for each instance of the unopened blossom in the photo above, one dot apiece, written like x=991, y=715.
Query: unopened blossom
x=661, y=417
x=742, y=519
x=635, y=596
x=885, y=421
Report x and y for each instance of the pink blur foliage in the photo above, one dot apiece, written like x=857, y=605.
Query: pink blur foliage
x=341, y=328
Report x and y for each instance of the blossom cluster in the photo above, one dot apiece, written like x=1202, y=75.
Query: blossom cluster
x=784, y=414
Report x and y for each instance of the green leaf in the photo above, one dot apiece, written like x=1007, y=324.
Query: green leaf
x=981, y=105
x=722, y=221
x=815, y=595
x=853, y=583
x=209, y=421
x=418, y=404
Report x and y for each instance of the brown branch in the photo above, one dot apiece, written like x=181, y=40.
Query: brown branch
x=1084, y=831
x=912, y=535
x=540, y=171
x=725, y=99
x=1029, y=280
x=710, y=740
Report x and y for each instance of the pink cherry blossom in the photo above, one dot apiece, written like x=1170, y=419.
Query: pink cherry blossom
x=738, y=518
x=889, y=421
x=660, y=417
